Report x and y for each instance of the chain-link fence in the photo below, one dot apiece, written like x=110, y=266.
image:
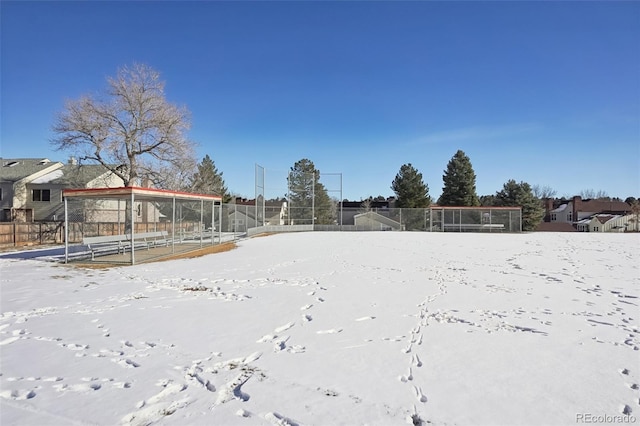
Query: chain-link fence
x=194, y=220
x=434, y=219
x=184, y=218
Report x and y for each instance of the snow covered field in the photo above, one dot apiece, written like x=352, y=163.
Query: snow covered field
x=329, y=329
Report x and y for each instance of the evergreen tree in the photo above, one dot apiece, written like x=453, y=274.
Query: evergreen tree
x=487, y=200
x=410, y=190
x=520, y=194
x=309, y=201
x=459, y=183
x=208, y=180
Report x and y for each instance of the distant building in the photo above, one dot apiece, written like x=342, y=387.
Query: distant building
x=31, y=189
x=22, y=197
x=588, y=216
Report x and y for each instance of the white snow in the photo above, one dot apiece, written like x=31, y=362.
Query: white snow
x=56, y=174
x=331, y=328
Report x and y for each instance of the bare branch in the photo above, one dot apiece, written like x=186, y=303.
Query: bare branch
x=135, y=127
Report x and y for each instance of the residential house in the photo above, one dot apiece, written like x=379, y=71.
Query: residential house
x=17, y=202
x=376, y=222
x=31, y=190
x=241, y=214
x=583, y=215
x=350, y=209
x=606, y=223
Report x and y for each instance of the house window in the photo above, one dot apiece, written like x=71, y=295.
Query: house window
x=41, y=195
x=570, y=216
x=0, y=193
x=553, y=217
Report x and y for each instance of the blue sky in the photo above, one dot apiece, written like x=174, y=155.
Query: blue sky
x=542, y=92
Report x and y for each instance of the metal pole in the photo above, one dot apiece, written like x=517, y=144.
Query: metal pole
x=66, y=232
x=173, y=226
x=201, y=221
x=133, y=256
x=313, y=199
x=490, y=221
x=289, y=197
x=213, y=213
x=220, y=223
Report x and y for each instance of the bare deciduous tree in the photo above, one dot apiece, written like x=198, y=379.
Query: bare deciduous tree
x=365, y=206
x=594, y=195
x=543, y=192
x=132, y=130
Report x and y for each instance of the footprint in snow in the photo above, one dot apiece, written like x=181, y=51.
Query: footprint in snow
x=365, y=318
x=284, y=327
x=18, y=394
x=418, y=391
x=331, y=331
x=267, y=338
x=279, y=420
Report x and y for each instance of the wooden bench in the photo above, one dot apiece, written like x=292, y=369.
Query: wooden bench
x=110, y=244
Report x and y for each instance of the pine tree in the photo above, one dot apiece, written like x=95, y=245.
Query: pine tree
x=410, y=190
x=309, y=201
x=459, y=183
x=208, y=180
x=520, y=194
x=487, y=200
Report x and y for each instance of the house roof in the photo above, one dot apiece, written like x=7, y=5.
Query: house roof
x=15, y=169
x=560, y=209
x=604, y=218
x=79, y=175
x=378, y=218
x=374, y=204
x=602, y=206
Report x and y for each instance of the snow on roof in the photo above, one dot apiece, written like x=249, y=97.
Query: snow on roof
x=560, y=209
x=56, y=174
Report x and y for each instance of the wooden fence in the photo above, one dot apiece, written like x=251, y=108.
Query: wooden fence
x=17, y=234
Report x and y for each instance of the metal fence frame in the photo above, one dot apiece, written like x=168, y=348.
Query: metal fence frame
x=239, y=220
